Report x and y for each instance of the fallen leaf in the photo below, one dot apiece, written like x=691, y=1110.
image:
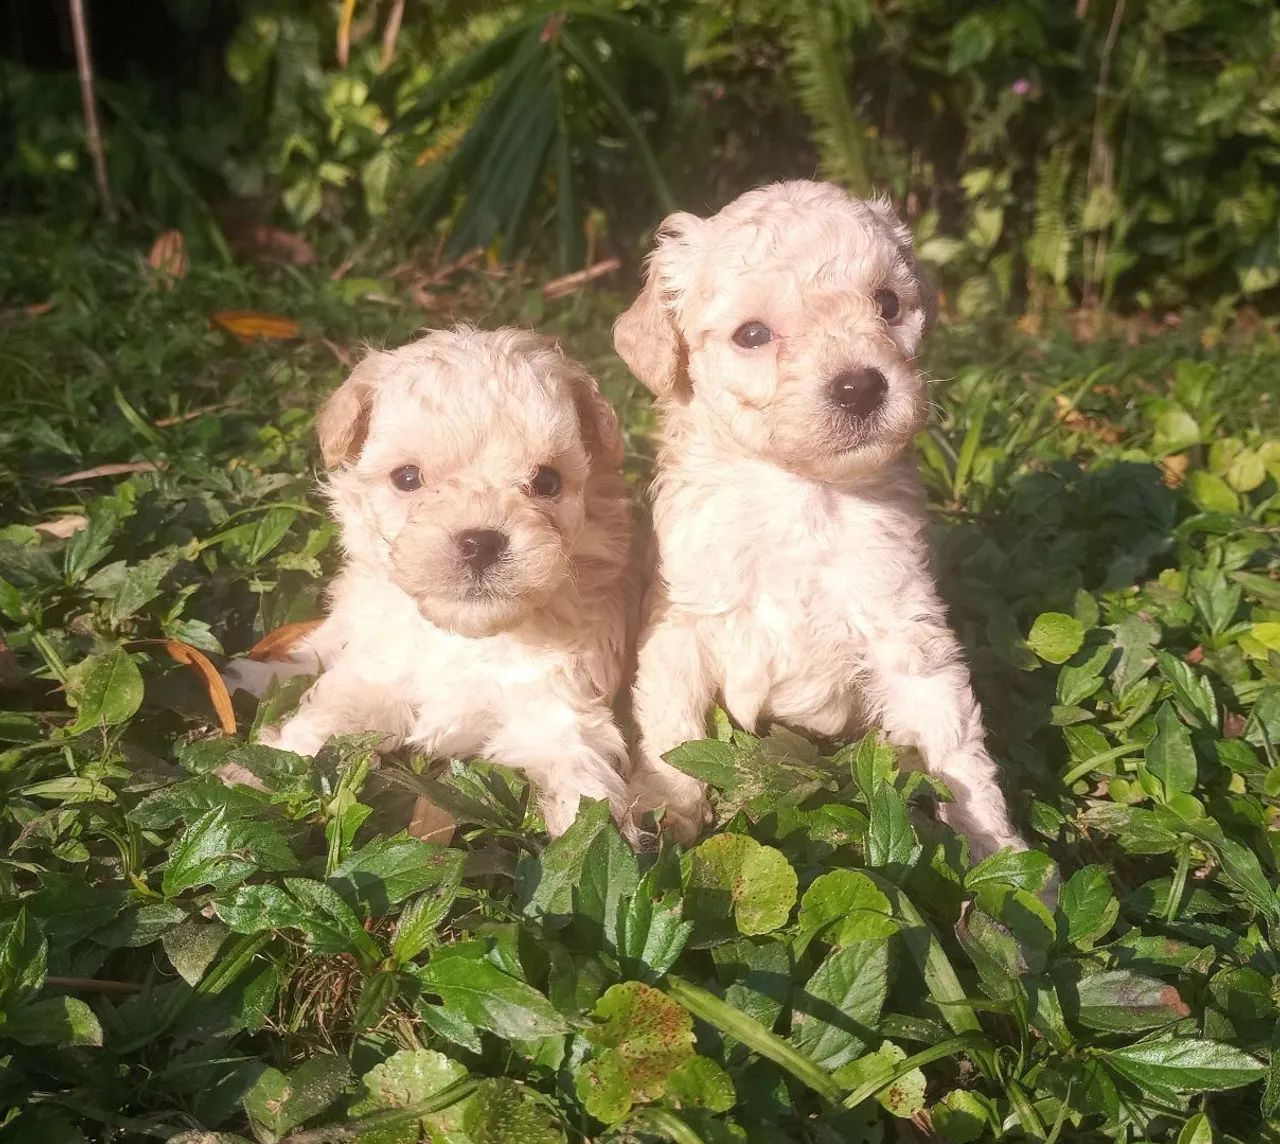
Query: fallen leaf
x=114, y=469
x=1195, y=655
x=431, y=823
x=1174, y=468
x=168, y=257
x=250, y=324
x=1071, y=418
x=277, y=644
x=38, y=308
x=275, y=243
x=63, y=526
x=218, y=694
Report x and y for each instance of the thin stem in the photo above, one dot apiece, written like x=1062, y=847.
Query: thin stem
x=84, y=65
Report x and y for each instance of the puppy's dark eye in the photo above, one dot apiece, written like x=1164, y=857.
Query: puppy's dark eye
x=545, y=482
x=752, y=335
x=407, y=478
x=887, y=302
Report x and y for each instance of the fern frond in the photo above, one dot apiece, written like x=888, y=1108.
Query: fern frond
x=817, y=44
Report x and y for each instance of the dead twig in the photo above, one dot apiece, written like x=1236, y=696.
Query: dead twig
x=84, y=65
x=570, y=283
x=114, y=469
x=391, y=33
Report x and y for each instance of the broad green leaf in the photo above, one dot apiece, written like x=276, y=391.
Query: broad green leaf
x=23, y=954
x=1022, y=869
x=836, y=1014
x=734, y=876
x=891, y=843
x=1176, y=431
x=220, y=851
x=962, y=1117
x=105, y=689
x=641, y=1038
x=1197, y=1130
x=1216, y=598
x=277, y=1103
x=504, y=1111
x=610, y=875
x=1183, y=1064
x=904, y=1097
x=1088, y=905
x=417, y=923
x=407, y=1079
x=701, y=1083
x=1055, y=636
x=187, y=801
x=468, y=982
x=58, y=1021
x=545, y=883
x=1170, y=756
x=1192, y=690
x=843, y=907
x=1121, y=1001
x=652, y=931
x=192, y=946
x=384, y=872
x=1211, y=493
x=377, y=992
x=708, y=760
x=325, y=920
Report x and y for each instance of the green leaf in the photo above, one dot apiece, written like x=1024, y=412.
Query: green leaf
x=468, y=982
x=277, y=1103
x=642, y=1037
x=903, y=1097
x=1211, y=493
x=836, y=1015
x=701, y=1083
x=1022, y=869
x=1088, y=905
x=545, y=884
x=891, y=843
x=610, y=876
x=105, y=689
x=325, y=920
x=1055, y=636
x=409, y=1079
x=218, y=850
x=1197, y=1130
x=843, y=907
x=416, y=926
x=734, y=876
x=192, y=946
x=384, y=872
x=61, y=1021
x=962, y=1117
x=23, y=956
x=504, y=1111
x=707, y=760
x=1183, y=1065
x=1121, y=1001
x=377, y=993
x=1192, y=690
x=1176, y=431
x=1170, y=756
x=652, y=931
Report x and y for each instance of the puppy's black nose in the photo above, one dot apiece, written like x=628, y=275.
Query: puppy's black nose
x=481, y=547
x=858, y=392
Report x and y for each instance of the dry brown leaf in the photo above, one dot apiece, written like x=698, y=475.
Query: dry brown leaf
x=168, y=257
x=114, y=469
x=38, y=308
x=274, y=243
x=1195, y=655
x=63, y=526
x=1174, y=468
x=251, y=324
x=219, y=696
x=431, y=823
x=277, y=644
x=1078, y=422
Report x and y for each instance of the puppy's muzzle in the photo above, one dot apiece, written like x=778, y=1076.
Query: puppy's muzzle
x=481, y=548
x=858, y=393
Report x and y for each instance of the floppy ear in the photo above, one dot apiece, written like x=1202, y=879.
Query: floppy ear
x=343, y=421
x=646, y=336
x=883, y=209
x=600, y=429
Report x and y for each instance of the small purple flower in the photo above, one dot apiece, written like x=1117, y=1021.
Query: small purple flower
x=1021, y=87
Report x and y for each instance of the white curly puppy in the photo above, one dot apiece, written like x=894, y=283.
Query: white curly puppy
x=792, y=569
x=483, y=605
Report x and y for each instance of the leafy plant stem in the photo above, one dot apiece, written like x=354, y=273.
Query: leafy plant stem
x=751, y=1033
x=447, y=1097
x=50, y=656
x=668, y=1124
x=965, y=1042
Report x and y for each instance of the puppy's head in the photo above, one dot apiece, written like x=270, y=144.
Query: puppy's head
x=459, y=464
x=787, y=324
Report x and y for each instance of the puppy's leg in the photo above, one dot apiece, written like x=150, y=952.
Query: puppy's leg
x=568, y=755
x=673, y=692
x=338, y=703
x=925, y=701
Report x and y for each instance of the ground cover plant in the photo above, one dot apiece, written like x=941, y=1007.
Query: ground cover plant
x=182, y=961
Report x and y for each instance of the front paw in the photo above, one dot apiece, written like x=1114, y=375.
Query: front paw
x=682, y=800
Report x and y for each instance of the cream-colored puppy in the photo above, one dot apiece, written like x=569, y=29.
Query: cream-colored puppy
x=482, y=607
x=779, y=338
